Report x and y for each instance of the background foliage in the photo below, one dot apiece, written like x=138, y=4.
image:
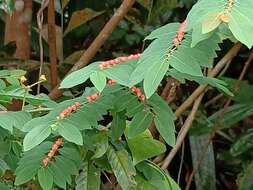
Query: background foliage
x=112, y=137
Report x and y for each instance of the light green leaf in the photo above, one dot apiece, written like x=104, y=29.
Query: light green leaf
x=120, y=73
x=36, y=136
x=70, y=133
x=152, y=147
x=157, y=177
x=118, y=124
x=139, y=124
x=9, y=120
x=211, y=22
x=99, y=80
x=80, y=76
x=154, y=76
x=122, y=167
x=101, y=143
x=3, y=167
x=164, y=119
x=26, y=174
x=45, y=178
x=89, y=178
x=4, y=186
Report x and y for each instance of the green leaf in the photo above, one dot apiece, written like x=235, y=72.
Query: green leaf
x=80, y=76
x=19, y=93
x=122, y=168
x=3, y=167
x=118, y=124
x=4, y=186
x=89, y=178
x=152, y=147
x=101, y=143
x=245, y=178
x=157, y=177
x=144, y=184
x=99, y=80
x=45, y=178
x=26, y=174
x=70, y=133
x=120, y=73
x=139, y=124
x=211, y=22
x=153, y=77
x=205, y=177
x=164, y=119
x=219, y=84
x=243, y=144
x=207, y=14
x=166, y=30
x=234, y=114
x=36, y=136
x=9, y=120
x=240, y=22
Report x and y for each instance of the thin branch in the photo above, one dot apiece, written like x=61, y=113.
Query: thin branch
x=52, y=43
x=98, y=42
x=183, y=132
x=228, y=57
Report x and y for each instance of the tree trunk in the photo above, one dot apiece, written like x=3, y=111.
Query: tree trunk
x=17, y=28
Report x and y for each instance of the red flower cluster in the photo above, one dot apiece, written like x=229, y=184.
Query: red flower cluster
x=52, y=152
x=107, y=64
x=111, y=82
x=180, y=34
x=69, y=110
x=92, y=97
x=138, y=93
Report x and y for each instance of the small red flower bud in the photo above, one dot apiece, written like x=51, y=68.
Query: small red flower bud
x=50, y=154
x=78, y=104
x=124, y=59
x=45, y=162
x=94, y=96
x=62, y=115
x=58, y=142
x=89, y=99
x=55, y=147
x=142, y=97
x=137, y=91
x=138, y=94
x=69, y=109
x=74, y=107
x=133, y=89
